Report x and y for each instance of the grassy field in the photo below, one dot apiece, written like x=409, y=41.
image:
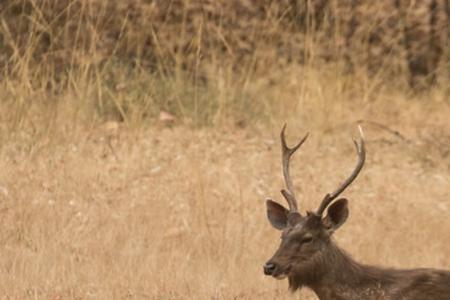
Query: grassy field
x=137, y=152
x=160, y=212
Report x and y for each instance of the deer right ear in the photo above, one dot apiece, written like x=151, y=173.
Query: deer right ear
x=277, y=214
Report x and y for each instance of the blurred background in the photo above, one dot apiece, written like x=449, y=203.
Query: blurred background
x=139, y=139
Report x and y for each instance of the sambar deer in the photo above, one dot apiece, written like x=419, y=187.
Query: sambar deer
x=309, y=257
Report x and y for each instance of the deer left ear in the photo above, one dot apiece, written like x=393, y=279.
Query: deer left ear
x=337, y=214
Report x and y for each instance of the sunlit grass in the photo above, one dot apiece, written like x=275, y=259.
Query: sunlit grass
x=102, y=197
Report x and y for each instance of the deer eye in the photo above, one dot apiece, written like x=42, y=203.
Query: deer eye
x=307, y=239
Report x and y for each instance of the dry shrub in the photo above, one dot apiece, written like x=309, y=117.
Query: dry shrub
x=64, y=33
x=127, y=60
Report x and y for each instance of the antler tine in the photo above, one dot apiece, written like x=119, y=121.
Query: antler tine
x=287, y=152
x=361, y=151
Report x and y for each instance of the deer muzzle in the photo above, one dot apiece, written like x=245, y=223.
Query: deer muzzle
x=269, y=268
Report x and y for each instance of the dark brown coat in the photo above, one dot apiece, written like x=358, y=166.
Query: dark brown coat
x=309, y=257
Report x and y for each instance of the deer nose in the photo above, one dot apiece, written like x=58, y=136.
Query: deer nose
x=269, y=268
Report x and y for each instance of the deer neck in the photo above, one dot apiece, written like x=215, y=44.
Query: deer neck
x=341, y=277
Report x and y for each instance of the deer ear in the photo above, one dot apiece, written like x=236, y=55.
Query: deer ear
x=337, y=214
x=277, y=214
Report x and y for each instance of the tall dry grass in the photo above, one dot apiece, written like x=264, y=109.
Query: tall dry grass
x=208, y=62
x=100, y=199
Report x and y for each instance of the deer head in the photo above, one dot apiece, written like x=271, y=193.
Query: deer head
x=306, y=246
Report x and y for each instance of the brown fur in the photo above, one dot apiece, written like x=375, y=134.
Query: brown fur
x=331, y=273
x=338, y=276
x=308, y=256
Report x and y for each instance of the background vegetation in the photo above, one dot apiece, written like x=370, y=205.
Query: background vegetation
x=139, y=139
x=209, y=61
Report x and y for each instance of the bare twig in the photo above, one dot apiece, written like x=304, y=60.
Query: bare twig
x=385, y=128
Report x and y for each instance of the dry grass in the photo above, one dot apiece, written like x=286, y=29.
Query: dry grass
x=101, y=200
x=161, y=213
x=207, y=62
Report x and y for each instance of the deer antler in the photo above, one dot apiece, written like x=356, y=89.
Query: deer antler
x=361, y=151
x=287, y=152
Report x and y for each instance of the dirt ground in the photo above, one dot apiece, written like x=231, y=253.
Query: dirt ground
x=177, y=213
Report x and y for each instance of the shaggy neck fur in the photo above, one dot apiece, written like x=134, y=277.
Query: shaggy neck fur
x=335, y=275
